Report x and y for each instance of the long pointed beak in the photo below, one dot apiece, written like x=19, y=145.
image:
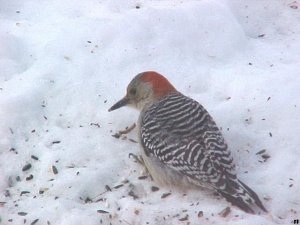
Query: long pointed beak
x=124, y=101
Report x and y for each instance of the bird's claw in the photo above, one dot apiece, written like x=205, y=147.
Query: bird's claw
x=138, y=158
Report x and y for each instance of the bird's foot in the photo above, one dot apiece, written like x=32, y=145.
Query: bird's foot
x=138, y=158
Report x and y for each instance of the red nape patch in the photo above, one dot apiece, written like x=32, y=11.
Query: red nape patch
x=161, y=86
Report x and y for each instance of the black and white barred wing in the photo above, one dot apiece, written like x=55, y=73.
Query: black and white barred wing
x=180, y=132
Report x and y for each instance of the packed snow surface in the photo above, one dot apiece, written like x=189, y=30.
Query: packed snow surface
x=64, y=63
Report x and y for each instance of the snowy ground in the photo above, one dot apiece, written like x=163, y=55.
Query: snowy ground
x=64, y=63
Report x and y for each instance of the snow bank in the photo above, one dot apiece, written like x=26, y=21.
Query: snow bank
x=63, y=65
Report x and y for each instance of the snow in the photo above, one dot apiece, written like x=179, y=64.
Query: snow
x=63, y=64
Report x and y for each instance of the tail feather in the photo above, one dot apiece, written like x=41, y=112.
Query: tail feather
x=244, y=198
x=254, y=196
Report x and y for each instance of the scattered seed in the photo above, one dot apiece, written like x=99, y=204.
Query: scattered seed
x=7, y=193
x=95, y=124
x=261, y=152
x=268, y=98
x=132, y=194
x=125, y=181
x=42, y=190
x=116, y=135
x=67, y=57
x=153, y=188
x=200, y=213
x=166, y=195
x=270, y=134
x=133, y=141
x=261, y=35
x=136, y=212
x=34, y=222
x=32, y=131
x=107, y=188
x=2, y=204
x=26, y=167
x=118, y=186
x=30, y=177
x=294, y=6
x=22, y=213
x=87, y=200
x=55, y=142
x=265, y=156
x=291, y=185
x=100, y=200
x=101, y=211
x=24, y=192
x=34, y=157
x=54, y=170
x=184, y=218
x=225, y=212
x=142, y=177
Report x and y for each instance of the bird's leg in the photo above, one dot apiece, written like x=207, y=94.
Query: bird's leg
x=138, y=158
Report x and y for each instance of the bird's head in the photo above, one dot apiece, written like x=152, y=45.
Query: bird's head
x=145, y=89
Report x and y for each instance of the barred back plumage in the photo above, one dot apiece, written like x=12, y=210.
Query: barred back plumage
x=180, y=134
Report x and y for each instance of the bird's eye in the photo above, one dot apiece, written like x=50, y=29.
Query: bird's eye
x=133, y=91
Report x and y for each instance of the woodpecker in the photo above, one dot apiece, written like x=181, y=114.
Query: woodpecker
x=181, y=144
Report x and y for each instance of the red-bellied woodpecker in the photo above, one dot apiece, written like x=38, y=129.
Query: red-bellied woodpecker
x=181, y=143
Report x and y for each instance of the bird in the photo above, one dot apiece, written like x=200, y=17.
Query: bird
x=181, y=143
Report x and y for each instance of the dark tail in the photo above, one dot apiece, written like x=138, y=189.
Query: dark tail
x=243, y=197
